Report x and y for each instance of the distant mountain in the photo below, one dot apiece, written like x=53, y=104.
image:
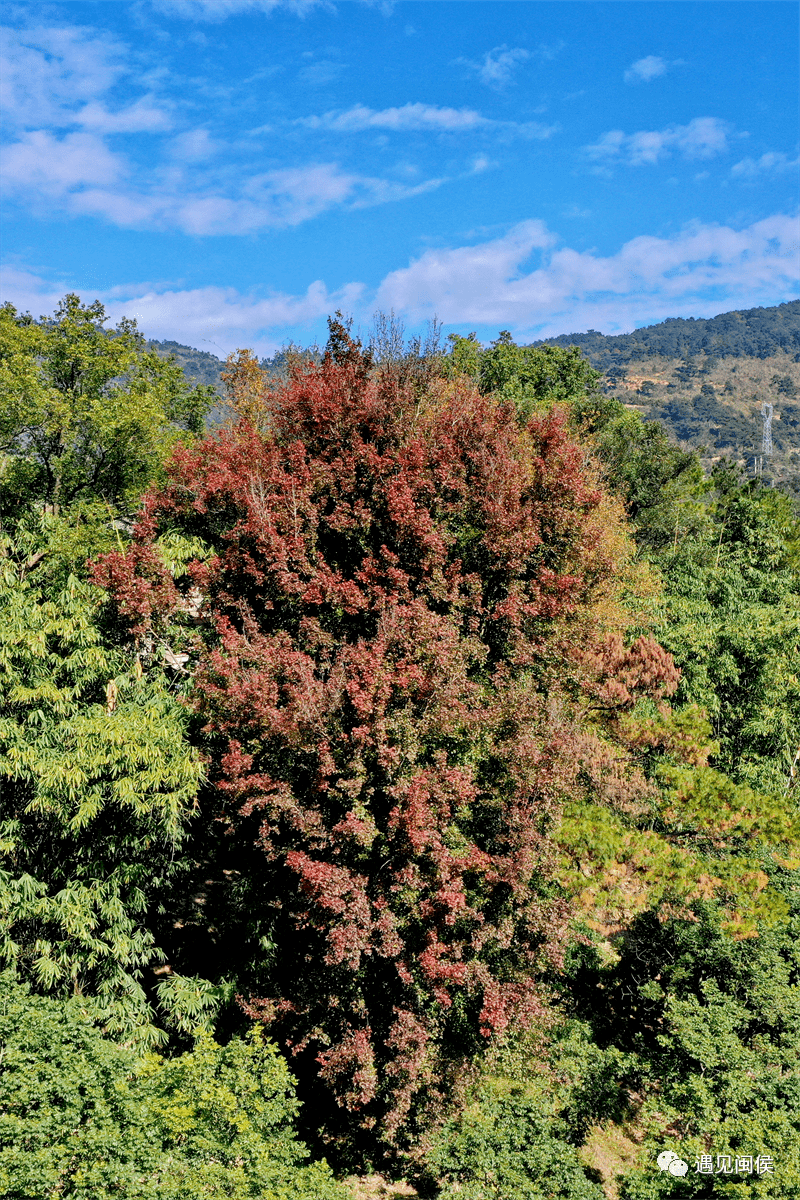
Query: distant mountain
x=747, y=333
x=198, y=365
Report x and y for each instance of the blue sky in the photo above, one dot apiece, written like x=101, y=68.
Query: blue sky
x=231, y=171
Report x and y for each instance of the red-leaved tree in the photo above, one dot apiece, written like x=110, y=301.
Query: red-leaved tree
x=404, y=600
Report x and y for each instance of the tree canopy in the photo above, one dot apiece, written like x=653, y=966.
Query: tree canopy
x=85, y=413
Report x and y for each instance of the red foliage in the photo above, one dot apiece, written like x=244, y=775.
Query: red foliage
x=396, y=632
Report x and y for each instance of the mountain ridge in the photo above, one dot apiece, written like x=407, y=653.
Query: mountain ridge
x=740, y=333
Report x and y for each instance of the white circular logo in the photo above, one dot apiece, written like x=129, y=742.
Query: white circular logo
x=678, y=1167
x=665, y=1158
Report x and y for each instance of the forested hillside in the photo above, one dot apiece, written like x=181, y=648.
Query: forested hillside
x=748, y=333
x=199, y=365
x=398, y=780
x=717, y=405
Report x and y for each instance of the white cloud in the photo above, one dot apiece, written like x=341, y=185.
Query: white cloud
x=195, y=145
x=645, y=69
x=142, y=117
x=703, y=268
x=703, y=137
x=47, y=74
x=220, y=10
x=773, y=161
x=524, y=281
x=497, y=67
x=407, y=117
x=54, y=76
x=449, y=280
x=41, y=164
x=417, y=116
x=320, y=74
x=228, y=318
x=384, y=7
x=30, y=292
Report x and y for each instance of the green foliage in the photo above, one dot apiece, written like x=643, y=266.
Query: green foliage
x=731, y=617
x=682, y=1015
x=510, y=1146
x=85, y=1118
x=660, y=483
x=710, y=1028
x=85, y=413
x=464, y=357
x=532, y=378
x=727, y=554
x=97, y=782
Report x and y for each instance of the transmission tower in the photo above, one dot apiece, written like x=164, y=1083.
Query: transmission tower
x=766, y=443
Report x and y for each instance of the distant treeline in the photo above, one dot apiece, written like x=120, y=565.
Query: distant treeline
x=748, y=333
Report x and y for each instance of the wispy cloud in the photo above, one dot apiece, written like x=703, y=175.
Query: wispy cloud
x=385, y=7
x=144, y=116
x=498, y=66
x=84, y=178
x=703, y=137
x=58, y=79
x=775, y=161
x=40, y=163
x=410, y=117
x=644, y=70
x=219, y=10
x=53, y=77
x=48, y=74
x=407, y=117
x=195, y=145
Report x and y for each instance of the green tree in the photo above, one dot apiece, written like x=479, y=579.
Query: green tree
x=83, y=1117
x=708, y=1030
x=85, y=413
x=661, y=485
x=464, y=357
x=731, y=616
x=531, y=377
x=97, y=782
x=510, y=1143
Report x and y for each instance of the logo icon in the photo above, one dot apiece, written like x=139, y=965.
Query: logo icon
x=668, y=1160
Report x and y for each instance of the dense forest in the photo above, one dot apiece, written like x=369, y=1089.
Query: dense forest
x=398, y=776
